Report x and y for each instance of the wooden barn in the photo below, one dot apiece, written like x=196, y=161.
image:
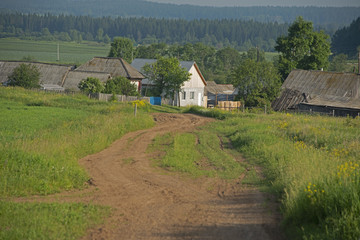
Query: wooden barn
x=52, y=76
x=318, y=91
x=64, y=77
x=114, y=67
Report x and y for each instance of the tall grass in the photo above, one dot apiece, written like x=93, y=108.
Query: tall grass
x=43, y=135
x=311, y=162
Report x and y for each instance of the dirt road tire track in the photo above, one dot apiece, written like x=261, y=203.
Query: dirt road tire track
x=150, y=203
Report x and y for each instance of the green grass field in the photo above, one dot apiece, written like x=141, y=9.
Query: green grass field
x=42, y=51
x=42, y=136
x=311, y=163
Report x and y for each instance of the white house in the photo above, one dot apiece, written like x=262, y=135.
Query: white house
x=192, y=93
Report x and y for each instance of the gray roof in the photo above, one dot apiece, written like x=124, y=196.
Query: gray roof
x=214, y=88
x=74, y=78
x=114, y=66
x=319, y=88
x=53, y=74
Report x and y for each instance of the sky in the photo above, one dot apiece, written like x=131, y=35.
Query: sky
x=242, y=3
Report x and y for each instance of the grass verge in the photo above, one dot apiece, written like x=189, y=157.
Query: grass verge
x=310, y=162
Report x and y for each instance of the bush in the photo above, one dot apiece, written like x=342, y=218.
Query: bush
x=26, y=76
x=91, y=85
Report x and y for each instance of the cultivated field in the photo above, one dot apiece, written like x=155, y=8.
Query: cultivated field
x=42, y=51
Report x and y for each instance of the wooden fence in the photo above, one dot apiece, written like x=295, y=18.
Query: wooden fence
x=229, y=105
x=119, y=98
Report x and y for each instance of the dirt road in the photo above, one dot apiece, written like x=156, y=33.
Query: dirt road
x=150, y=203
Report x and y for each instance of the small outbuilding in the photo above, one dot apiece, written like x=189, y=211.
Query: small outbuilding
x=219, y=92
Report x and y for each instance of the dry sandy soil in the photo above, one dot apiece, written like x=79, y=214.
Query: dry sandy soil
x=151, y=203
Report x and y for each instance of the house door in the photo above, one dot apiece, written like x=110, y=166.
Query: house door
x=199, y=99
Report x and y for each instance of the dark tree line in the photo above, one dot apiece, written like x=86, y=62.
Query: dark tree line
x=218, y=33
x=347, y=40
x=331, y=17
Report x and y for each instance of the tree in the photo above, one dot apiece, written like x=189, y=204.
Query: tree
x=167, y=75
x=25, y=75
x=258, y=83
x=120, y=85
x=339, y=63
x=303, y=48
x=123, y=48
x=91, y=85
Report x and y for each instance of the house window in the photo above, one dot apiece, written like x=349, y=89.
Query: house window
x=192, y=95
x=184, y=95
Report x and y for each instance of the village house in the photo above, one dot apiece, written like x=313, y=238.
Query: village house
x=318, y=91
x=112, y=67
x=193, y=91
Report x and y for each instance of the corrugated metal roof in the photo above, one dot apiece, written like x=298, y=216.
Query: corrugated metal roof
x=114, y=66
x=321, y=89
x=53, y=74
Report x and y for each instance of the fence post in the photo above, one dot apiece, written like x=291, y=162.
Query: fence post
x=265, y=108
x=135, y=110
x=333, y=113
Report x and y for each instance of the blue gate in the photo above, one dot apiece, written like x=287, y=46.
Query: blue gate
x=155, y=101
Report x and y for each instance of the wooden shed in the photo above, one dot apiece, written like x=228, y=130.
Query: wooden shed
x=219, y=92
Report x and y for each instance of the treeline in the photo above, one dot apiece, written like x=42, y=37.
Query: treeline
x=347, y=40
x=239, y=34
x=216, y=65
x=331, y=17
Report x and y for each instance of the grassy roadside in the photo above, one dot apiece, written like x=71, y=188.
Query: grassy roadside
x=42, y=135
x=310, y=162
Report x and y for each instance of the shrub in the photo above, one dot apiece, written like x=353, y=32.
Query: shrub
x=91, y=85
x=26, y=76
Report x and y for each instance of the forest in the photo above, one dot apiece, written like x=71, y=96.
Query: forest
x=347, y=40
x=328, y=17
x=238, y=34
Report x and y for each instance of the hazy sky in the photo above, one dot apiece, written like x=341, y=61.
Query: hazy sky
x=230, y=3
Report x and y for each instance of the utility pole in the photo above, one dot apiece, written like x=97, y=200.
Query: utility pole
x=58, y=52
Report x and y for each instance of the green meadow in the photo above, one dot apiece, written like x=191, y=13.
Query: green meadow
x=310, y=162
x=43, y=51
x=42, y=136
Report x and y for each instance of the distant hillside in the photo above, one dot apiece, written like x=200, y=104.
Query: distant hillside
x=331, y=17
